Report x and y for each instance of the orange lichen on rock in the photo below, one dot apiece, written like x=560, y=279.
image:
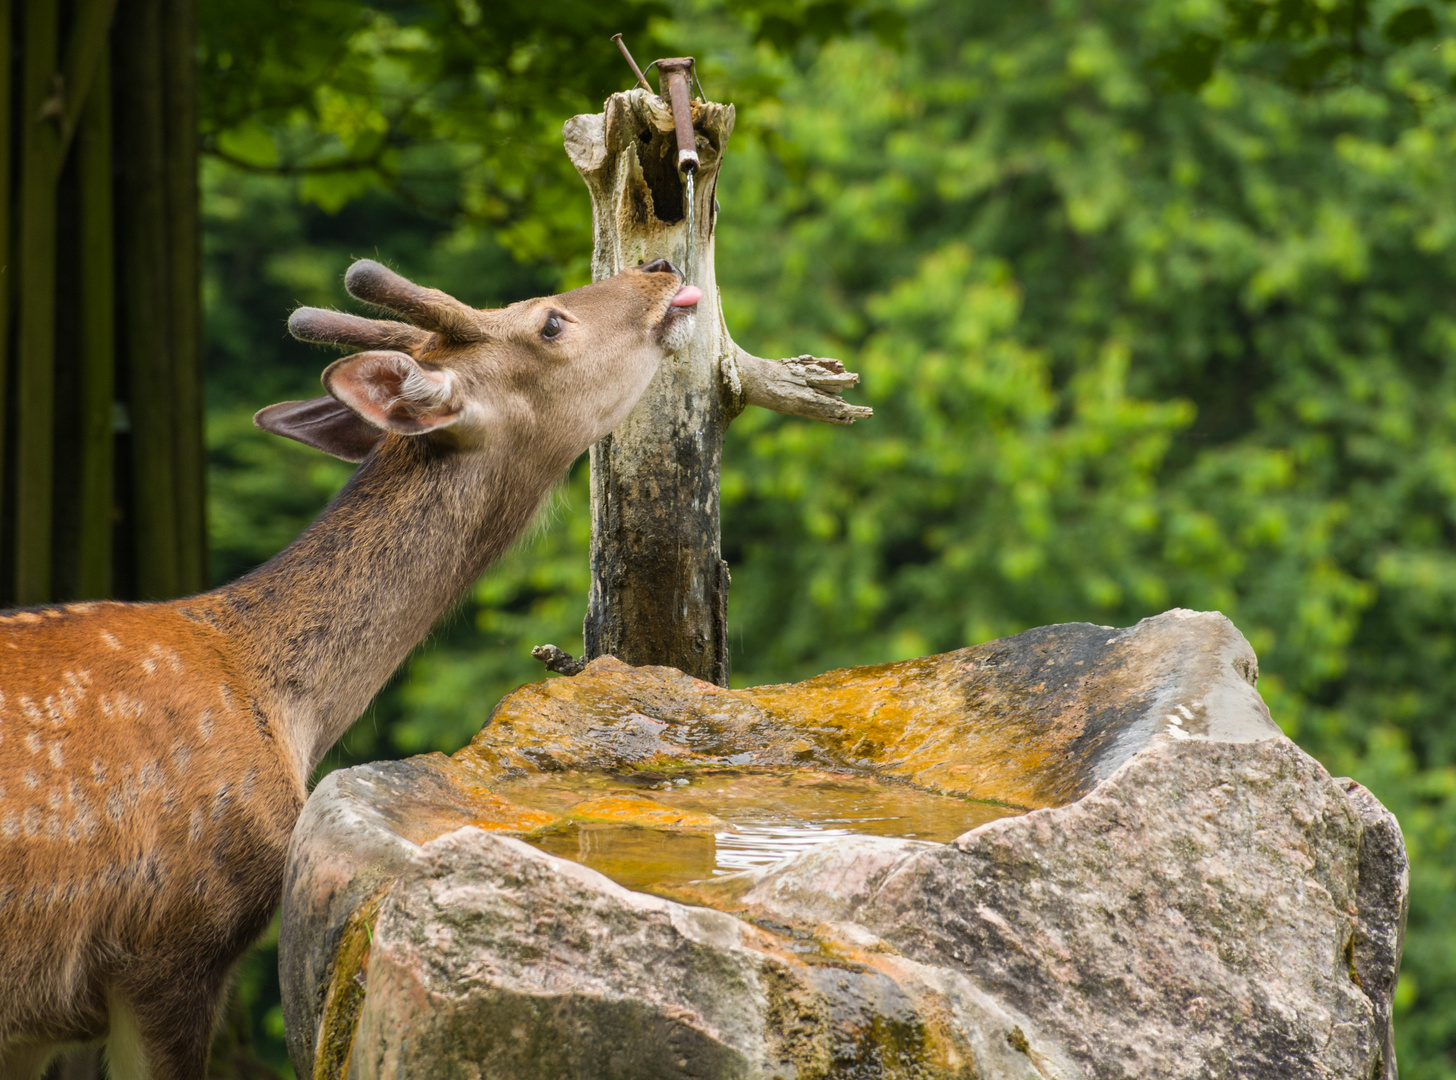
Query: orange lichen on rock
x=632, y=809
x=443, y=797
x=909, y=721
x=1030, y=722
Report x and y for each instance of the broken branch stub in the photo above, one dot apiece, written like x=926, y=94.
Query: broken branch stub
x=659, y=591
x=807, y=386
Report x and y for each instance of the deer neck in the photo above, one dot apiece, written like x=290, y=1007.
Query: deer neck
x=326, y=622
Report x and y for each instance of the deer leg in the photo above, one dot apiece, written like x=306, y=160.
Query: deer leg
x=167, y=1038
x=26, y=1062
x=82, y=1064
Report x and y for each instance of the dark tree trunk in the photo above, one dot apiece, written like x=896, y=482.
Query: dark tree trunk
x=35, y=359
x=101, y=452
x=97, y=290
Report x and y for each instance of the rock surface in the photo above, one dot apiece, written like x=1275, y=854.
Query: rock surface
x=1190, y=895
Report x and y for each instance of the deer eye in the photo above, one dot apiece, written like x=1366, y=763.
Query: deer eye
x=552, y=328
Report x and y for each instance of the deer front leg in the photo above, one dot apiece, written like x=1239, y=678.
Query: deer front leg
x=166, y=1034
x=25, y=1062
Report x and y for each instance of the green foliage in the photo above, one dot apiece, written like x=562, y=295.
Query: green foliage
x=455, y=107
x=1146, y=321
x=1305, y=44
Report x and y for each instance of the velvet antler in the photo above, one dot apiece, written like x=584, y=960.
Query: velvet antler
x=325, y=327
x=429, y=309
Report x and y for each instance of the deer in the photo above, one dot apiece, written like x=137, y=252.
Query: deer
x=154, y=757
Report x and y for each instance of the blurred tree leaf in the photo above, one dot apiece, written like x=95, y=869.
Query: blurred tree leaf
x=1190, y=64
x=456, y=107
x=1409, y=25
x=1306, y=44
x=784, y=25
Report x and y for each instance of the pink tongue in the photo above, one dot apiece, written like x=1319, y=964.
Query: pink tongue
x=687, y=296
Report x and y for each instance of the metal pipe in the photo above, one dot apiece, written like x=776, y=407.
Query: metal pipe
x=675, y=72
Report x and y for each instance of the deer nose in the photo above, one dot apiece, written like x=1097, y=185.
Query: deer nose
x=660, y=266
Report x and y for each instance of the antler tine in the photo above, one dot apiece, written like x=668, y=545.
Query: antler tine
x=430, y=309
x=350, y=331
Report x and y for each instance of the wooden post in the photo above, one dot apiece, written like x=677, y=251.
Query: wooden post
x=145, y=332
x=98, y=342
x=184, y=270
x=659, y=584
x=659, y=592
x=7, y=277
x=76, y=335
x=40, y=138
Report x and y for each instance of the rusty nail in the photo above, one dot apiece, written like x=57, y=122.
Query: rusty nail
x=641, y=78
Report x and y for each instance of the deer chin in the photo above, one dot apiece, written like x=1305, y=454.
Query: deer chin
x=676, y=329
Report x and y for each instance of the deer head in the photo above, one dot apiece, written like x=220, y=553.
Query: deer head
x=569, y=366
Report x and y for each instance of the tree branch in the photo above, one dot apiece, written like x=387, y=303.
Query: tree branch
x=558, y=660
x=807, y=386
x=295, y=169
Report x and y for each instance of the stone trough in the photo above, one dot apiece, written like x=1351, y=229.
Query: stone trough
x=1167, y=887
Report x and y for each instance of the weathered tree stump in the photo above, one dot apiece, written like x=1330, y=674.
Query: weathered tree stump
x=659, y=591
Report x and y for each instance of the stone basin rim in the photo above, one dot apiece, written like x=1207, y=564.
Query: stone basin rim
x=1033, y=720
x=743, y=880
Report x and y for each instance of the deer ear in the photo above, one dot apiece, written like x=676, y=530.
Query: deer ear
x=323, y=423
x=394, y=391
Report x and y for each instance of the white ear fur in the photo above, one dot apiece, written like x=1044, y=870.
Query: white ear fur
x=393, y=391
